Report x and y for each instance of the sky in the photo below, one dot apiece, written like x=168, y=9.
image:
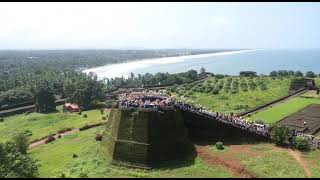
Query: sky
x=63, y=25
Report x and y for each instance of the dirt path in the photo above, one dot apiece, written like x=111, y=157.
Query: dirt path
x=37, y=143
x=297, y=156
x=235, y=167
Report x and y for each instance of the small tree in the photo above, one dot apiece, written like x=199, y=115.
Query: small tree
x=21, y=141
x=202, y=71
x=219, y=145
x=310, y=74
x=280, y=134
x=301, y=144
x=298, y=73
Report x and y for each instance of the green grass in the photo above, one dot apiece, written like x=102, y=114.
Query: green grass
x=243, y=100
x=274, y=164
x=284, y=109
x=313, y=161
x=265, y=161
x=45, y=124
x=56, y=158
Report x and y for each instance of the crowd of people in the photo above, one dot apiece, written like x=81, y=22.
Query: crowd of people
x=231, y=119
x=145, y=99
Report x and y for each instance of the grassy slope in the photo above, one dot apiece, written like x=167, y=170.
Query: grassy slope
x=56, y=157
x=227, y=102
x=266, y=161
x=281, y=110
x=45, y=124
x=262, y=159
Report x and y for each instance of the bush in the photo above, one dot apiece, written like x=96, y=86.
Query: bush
x=22, y=142
x=15, y=164
x=80, y=112
x=83, y=175
x=64, y=130
x=234, y=92
x=74, y=155
x=104, y=118
x=50, y=139
x=85, y=116
x=219, y=145
x=1, y=119
x=27, y=132
x=260, y=122
x=59, y=136
x=301, y=144
x=98, y=137
x=280, y=134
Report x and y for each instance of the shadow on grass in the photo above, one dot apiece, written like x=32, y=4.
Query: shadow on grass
x=181, y=162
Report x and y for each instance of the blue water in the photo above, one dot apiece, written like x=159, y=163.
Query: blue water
x=262, y=62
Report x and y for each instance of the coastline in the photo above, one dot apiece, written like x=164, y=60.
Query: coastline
x=123, y=69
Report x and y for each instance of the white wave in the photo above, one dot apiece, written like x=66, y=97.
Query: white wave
x=124, y=69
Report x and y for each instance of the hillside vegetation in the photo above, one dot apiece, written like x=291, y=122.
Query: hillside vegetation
x=234, y=94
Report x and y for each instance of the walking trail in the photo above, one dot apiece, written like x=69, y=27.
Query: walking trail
x=236, y=169
x=40, y=142
x=297, y=156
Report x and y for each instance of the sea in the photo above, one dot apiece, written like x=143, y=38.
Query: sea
x=262, y=61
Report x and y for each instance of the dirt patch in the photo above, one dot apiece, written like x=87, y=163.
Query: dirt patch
x=297, y=156
x=309, y=115
x=232, y=165
x=244, y=149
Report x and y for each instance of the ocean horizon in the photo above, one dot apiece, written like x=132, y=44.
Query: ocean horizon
x=262, y=61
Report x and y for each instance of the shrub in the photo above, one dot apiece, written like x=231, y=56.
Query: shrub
x=21, y=142
x=64, y=130
x=85, y=116
x=80, y=112
x=280, y=134
x=15, y=164
x=219, y=145
x=260, y=122
x=83, y=175
x=27, y=132
x=1, y=119
x=301, y=144
x=234, y=92
x=104, y=118
x=50, y=139
x=74, y=155
x=98, y=137
x=59, y=136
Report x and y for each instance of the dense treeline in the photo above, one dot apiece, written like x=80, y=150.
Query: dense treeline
x=26, y=61
x=285, y=73
x=57, y=72
x=148, y=79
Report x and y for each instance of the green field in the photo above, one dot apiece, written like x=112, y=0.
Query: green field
x=279, y=111
x=56, y=158
x=264, y=160
x=243, y=98
x=44, y=124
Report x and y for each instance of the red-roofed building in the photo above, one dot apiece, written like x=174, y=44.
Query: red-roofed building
x=71, y=107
